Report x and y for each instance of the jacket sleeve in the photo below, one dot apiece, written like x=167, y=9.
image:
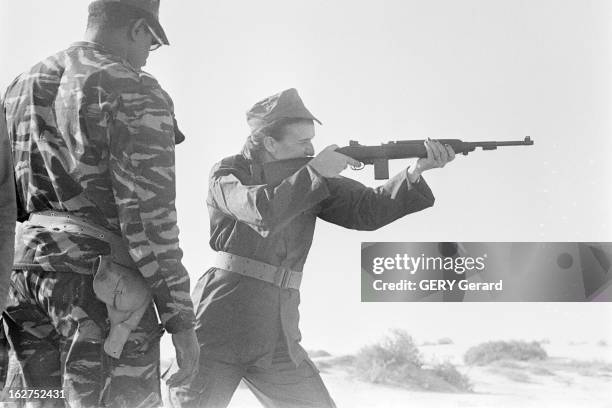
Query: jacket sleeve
x=353, y=205
x=8, y=210
x=142, y=170
x=264, y=208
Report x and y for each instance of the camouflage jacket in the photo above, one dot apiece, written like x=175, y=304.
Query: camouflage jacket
x=275, y=224
x=8, y=212
x=94, y=137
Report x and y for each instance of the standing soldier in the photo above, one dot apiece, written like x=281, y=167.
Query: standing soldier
x=93, y=141
x=247, y=312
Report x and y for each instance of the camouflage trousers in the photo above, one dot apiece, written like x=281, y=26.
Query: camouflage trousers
x=56, y=330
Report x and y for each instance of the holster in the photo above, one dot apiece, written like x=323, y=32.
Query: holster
x=126, y=295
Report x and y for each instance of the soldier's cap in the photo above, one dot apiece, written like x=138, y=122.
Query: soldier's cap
x=150, y=12
x=286, y=104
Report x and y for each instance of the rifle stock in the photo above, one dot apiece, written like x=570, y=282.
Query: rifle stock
x=379, y=156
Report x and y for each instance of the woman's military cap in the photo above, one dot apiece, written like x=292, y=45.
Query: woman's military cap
x=286, y=104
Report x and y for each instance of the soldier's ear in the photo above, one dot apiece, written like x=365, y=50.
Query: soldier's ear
x=270, y=144
x=137, y=28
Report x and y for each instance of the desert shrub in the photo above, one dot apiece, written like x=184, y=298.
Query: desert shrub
x=396, y=349
x=397, y=361
x=486, y=353
x=452, y=376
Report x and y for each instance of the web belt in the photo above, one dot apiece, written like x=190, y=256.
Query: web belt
x=65, y=221
x=277, y=275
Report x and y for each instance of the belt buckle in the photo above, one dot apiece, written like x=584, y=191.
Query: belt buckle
x=282, y=277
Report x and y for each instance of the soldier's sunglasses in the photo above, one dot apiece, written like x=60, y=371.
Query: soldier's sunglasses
x=158, y=41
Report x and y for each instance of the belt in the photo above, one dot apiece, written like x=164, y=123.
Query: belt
x=277, y=275
x=65, y=221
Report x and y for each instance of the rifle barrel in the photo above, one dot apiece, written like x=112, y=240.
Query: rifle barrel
x=526, y=142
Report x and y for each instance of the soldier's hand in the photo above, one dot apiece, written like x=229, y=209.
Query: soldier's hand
x=438, y=155
x=329, y=163
x=187, y=357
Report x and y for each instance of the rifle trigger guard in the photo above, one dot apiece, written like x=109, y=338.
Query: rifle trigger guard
x=360, y=167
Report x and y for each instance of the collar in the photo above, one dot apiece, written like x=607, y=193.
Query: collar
x=103, y=50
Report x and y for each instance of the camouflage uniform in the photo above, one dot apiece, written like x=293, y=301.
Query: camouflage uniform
x=93, y=137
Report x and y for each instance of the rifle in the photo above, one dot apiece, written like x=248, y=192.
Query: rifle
x=379, y=156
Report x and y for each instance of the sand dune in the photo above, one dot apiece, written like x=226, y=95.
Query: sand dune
x=568, y=378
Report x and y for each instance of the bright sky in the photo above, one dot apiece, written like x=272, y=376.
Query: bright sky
x=392, y=70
